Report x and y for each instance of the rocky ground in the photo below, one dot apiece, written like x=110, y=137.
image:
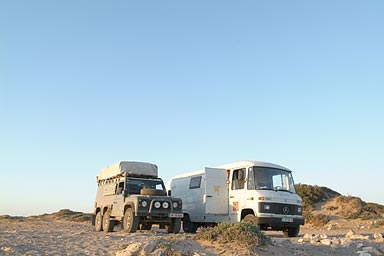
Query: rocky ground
x=49, y=236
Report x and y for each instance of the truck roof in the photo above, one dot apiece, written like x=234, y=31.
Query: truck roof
x=232, y=165
x=128, y=168
x=253, y=163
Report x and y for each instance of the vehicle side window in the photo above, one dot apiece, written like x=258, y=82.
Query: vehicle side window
x=195, y=182
x=251, y=179
x=120, y=188
x=238, y=179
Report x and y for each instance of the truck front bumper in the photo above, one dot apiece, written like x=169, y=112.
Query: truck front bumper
x=279, y=223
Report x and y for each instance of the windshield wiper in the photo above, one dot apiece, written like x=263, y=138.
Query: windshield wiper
x=284, y=190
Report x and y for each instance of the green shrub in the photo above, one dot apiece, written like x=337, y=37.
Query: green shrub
x=242, y=234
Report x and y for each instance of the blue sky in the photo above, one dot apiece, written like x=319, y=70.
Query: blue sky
x=187, y=84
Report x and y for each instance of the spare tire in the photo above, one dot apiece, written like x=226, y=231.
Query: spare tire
x=152, y=192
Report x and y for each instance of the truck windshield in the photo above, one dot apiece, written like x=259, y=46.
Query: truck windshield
x=134, y=185
x=270, y=179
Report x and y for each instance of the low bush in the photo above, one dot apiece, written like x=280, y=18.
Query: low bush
x=243, y=234
x=317, y=220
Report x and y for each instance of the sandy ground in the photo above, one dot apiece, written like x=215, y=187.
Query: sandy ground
x=56, y=237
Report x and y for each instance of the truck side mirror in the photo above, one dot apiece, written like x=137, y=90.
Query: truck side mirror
x=169, y=193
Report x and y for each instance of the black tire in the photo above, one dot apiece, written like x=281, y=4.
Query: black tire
x=188, y=226
x=291, y=232
x=146, y=226
x=108, y=224
x=99, y=222
x=130, y=221
x=174, y=227
x=251, y=219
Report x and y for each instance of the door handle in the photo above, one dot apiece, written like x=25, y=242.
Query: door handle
x=209, y=196
x=231, y=197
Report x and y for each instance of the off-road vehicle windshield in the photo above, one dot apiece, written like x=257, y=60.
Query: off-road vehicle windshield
x=266, y=178
x=135, y=185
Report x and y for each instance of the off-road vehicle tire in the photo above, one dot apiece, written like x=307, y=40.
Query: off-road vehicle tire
x=108, y=223
x=188, y=226
x=99, y=222
x=174, y=227
x=130, y=221
x=291, y=232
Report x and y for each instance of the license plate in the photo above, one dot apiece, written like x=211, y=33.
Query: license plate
x=175, y=215
x=287, y=219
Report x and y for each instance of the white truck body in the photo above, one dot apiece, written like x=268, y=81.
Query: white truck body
x=231, y=192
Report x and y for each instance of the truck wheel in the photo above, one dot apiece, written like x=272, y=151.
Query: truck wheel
x=108, y=224
x=251, y=219
x=291, y=232
x=188, y=226
x=174, y=227
x=99, y=222
x=130, y=221
x=146, y=226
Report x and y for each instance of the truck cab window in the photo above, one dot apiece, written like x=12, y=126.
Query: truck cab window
x=251, y=179
x=238, y=179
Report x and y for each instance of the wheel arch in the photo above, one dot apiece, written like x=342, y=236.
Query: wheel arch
x=245, y=212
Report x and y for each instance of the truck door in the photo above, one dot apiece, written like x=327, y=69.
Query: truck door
x=237, y=192
x=216, y=191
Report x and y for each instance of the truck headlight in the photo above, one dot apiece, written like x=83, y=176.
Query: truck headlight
x=175, y=204
x=144, y=203
x=299, y=209
x=267, y=207
x=157, y=205
x=165, y=205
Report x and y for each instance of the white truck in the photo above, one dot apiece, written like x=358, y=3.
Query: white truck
x=258, y=192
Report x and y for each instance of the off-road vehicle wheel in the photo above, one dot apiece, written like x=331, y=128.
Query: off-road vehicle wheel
x=188, y=226
x=108, y=224
x=99, y=222
x=130, y=221
x=291, y=232
x=174, y=227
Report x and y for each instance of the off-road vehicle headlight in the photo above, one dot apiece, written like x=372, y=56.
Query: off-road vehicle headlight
x=165, y=205
x=157, y=205
x=175, y=204
x=144, y=203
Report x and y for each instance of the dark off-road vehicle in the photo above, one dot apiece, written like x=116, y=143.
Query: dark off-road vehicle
x=131, y=193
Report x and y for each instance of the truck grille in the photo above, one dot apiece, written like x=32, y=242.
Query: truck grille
x=277, y=208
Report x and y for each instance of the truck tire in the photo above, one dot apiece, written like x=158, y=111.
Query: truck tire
x=251, y=219
x=108, y=224
x=130, y=221
x=174, y=227
x=188, y=226
x=99, y=222
x=146, y=226
x=291, y=232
